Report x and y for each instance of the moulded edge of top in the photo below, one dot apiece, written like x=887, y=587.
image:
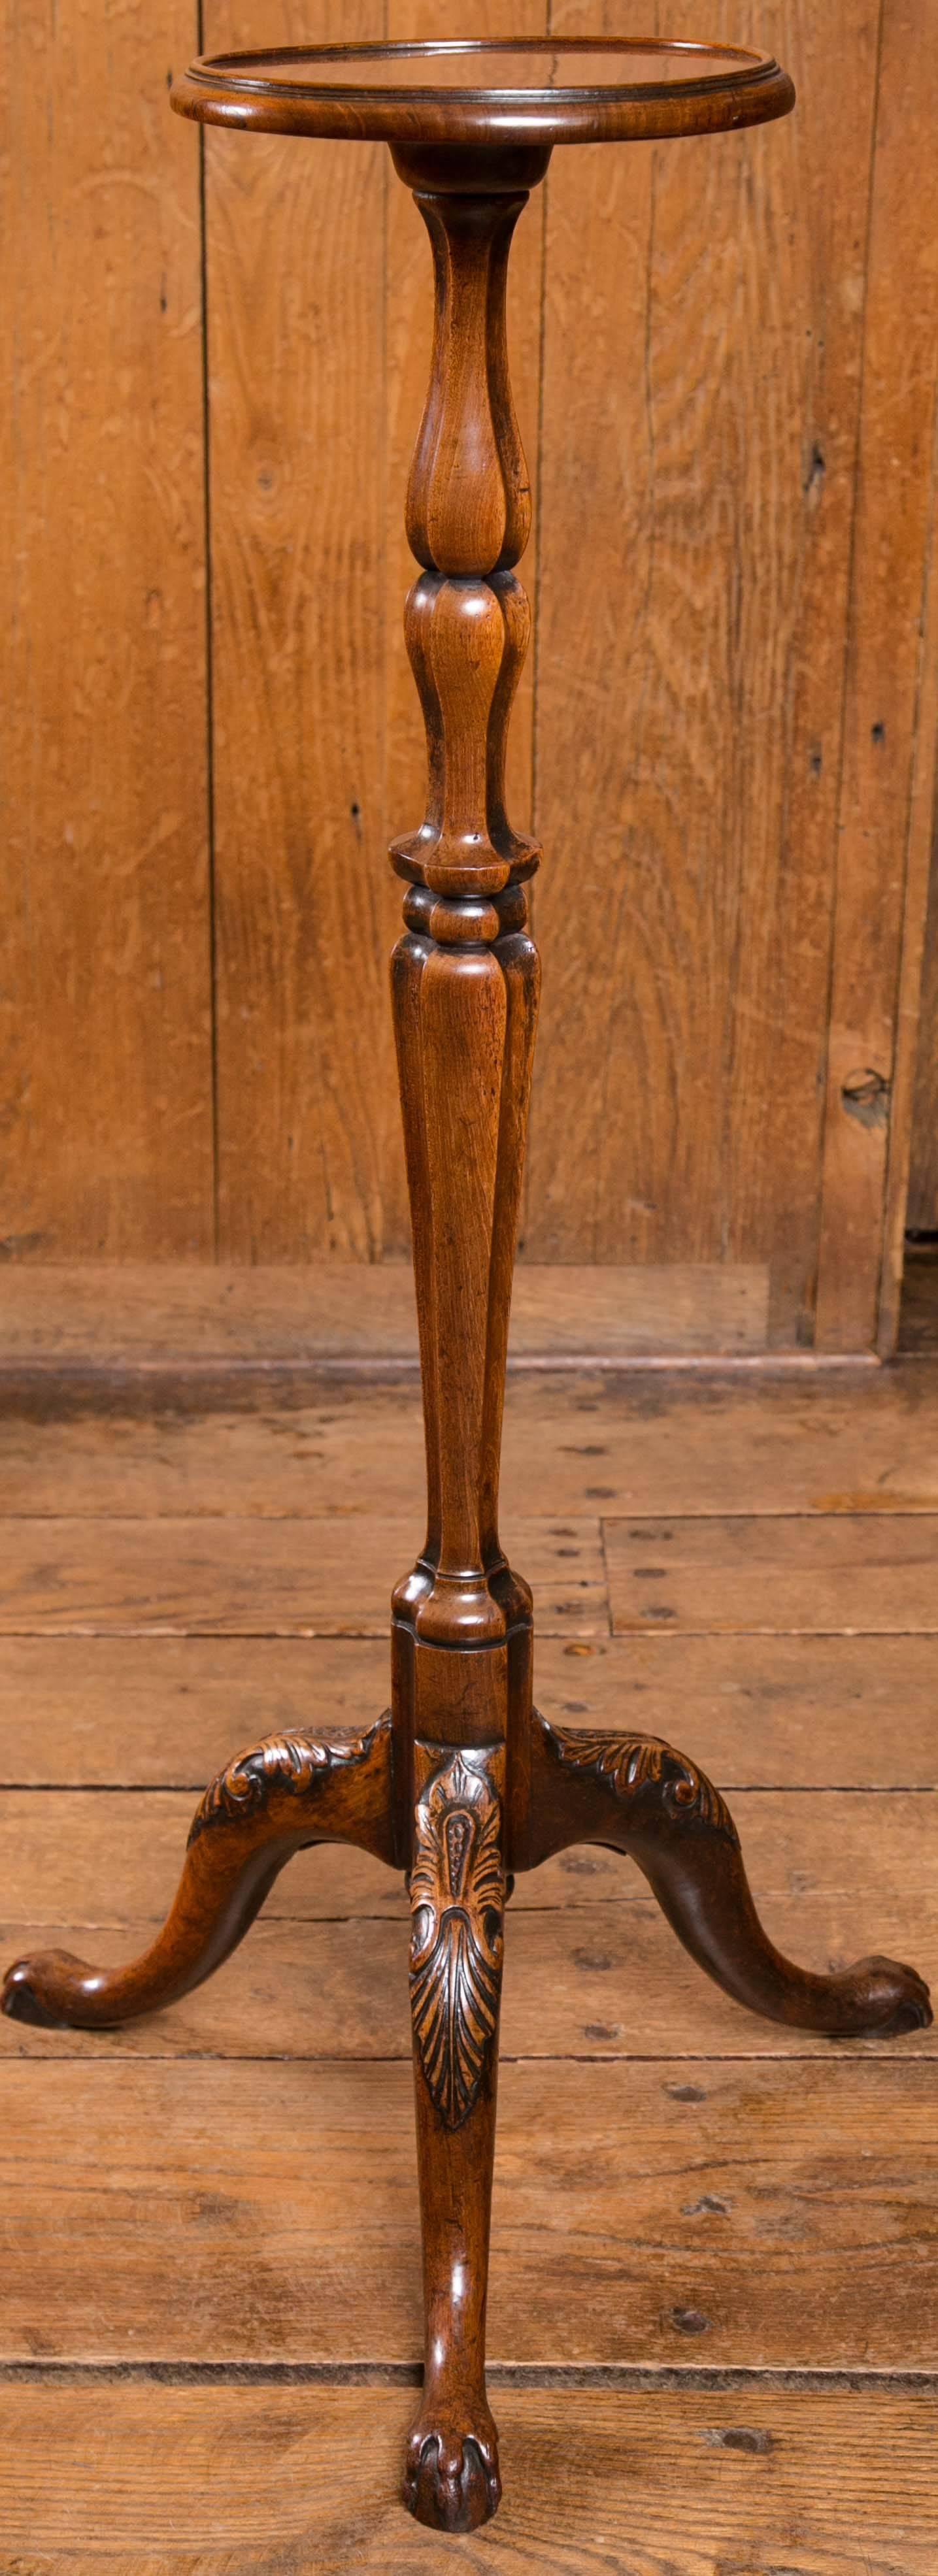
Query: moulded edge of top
x=233, y=90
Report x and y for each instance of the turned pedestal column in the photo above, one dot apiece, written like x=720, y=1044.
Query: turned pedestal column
x=462, y=1783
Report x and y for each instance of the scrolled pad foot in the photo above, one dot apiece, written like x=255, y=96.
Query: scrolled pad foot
x=887, y=1998
x=638, y=1795
x=29, y=1989
x=452, y=2481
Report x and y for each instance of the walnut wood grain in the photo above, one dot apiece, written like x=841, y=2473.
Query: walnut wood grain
x=285, y=1793
x=461, y=1781
x=408, y=336
x=465, y=977
x=654, y=1803
x=512, y=93
x=465, y=984
x=457, y=1895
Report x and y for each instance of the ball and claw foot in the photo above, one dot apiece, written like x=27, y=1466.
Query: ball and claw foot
x=451, y=2481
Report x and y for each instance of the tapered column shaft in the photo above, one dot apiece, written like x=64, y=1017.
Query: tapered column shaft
x=465, y=975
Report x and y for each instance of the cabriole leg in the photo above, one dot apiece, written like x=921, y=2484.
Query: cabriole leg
x=641, y=1797
x=288, y=1792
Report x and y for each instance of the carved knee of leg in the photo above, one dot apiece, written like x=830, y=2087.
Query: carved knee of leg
x=641, y=1796
x=457, y=1894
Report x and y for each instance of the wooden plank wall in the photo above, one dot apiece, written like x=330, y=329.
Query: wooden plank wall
x=726, y=366
x=891, y=704
x=923, y=1186
x=105, y=930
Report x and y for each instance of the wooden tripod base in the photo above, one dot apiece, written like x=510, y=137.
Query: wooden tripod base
x=462, y=1783
x=630, y=1792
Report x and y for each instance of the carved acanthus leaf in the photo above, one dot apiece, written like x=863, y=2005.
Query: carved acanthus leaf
x=457, y=1895
x=298, y=1764
x=628, y=1763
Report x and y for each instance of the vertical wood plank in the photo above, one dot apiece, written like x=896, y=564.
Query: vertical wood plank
x=884, y=680
x=410, y=317
x=703, y=341
x=912, y=1177
x=922, y=1209
x=296, y=263
x=701, y=416
x=105, y=1027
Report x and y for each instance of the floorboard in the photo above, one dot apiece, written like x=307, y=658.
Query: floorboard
x=835, y=1441
x=756, y=2214
x=236, y=1577
x=602, y=1980
x=765, y=1712
x=870, y=1575
x=714, y=2301
x=196, y=2481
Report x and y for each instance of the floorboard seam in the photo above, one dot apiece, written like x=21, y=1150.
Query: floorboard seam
x=867, y=2053
x=163, y=1632
x=641, y=2376
x=731, y=1789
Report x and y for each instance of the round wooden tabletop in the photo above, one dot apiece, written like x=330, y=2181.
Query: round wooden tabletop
x=571, y=90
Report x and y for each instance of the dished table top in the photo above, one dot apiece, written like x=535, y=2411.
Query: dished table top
x=573, y=90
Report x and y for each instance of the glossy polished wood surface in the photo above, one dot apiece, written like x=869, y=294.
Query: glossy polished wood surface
x=226, y=2190
x=574, y=90
x=463, y=1782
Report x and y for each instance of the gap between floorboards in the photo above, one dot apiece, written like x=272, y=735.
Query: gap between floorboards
x=505, y=2374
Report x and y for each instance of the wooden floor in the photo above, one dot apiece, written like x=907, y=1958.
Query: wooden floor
x=714, y=2304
